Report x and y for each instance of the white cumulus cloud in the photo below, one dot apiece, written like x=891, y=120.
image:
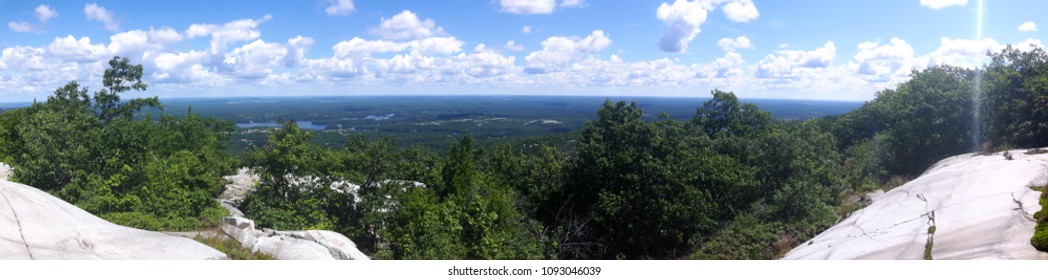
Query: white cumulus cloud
x=558, y=51
x=1028, y=26
x=222, y=35
x=20, y=26
x=77, y=50
x=165, y=35
x=340, y=7
x=528, y=6
x=731, y=44
x=358, y=47
x=959, y=52
x=256, y=59
x=741, y=11
x=572, y=3
x=939, y=4
x=45, y=13
x=98, y=13
x=405, y=26
x=682, y=20
x=512, y=46
x=884, y=62
x=786, y=62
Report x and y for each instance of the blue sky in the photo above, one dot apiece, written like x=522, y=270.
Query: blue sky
x=842, y=50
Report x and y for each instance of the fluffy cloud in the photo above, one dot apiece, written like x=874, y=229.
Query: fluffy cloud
x=298, y=47
x=255, y=60
x=1028, y=26
x=884, y=62
x=406, y=26
x=784, y=64
x=100, y=14
x=558, y=51
x=340, y=7
x=20, y=26
x=1029, y=44
x=358, y=47
x=45, y=13
x=232, y=32
x=572, y=3
x=512, y=46
x=437, y=45
x=165, y=35
x=729, y=44
x=526, y=29
x=525, y=7
x=175, y=61
x=741, y=11
x=682, y=20
x=135, y=41
x=77, y=50
x=959, y=52
x=727, y=66
x=939, y=4
x=528, y=6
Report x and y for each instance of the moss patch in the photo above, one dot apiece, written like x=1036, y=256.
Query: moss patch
x=1040, y=234
x=232, y=248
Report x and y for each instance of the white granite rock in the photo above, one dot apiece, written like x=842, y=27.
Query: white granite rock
x=239, y=185
x=292, y=245
x=5, y=171
x=36, y=225
x=981, y=207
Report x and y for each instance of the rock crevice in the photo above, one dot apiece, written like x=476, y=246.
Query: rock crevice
x=19, y=224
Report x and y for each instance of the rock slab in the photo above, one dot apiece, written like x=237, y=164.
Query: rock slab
x=36, y=225
x=292, y=245
x=980, y=205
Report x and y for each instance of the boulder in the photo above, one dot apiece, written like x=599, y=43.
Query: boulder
x=239, y=185
x=292, y=245
x=36, y=225
x=981, y=207
x=5, y=171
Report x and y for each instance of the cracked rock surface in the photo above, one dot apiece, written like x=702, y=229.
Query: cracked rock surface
x=982, y=208
x=36, y=225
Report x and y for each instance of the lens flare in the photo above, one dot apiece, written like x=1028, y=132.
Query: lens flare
x=977, y=85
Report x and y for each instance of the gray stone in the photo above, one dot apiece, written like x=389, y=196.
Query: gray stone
x=36, y=225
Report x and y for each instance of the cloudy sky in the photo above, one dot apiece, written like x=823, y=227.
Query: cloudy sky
x=843, y=50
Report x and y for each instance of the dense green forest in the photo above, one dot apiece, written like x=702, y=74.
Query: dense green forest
x=731, y=182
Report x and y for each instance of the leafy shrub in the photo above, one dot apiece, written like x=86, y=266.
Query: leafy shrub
x=232, y=248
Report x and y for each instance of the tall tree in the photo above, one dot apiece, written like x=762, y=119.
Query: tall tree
x=120, y=77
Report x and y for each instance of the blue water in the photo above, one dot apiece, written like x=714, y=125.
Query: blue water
x=302, y=124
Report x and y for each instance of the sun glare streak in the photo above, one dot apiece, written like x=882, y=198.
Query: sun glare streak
x=979, y=21
x=977, y=85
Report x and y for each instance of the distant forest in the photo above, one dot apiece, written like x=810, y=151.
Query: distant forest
x=730, y=182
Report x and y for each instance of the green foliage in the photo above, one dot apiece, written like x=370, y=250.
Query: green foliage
x=296, y=190
x=1016, y=97
x=725, y=114
x=1040, y=234
x=210, y=217
x=745, y=238
x=647, y=186
x=232, y=248
x=468, y=215
x=89, y=151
